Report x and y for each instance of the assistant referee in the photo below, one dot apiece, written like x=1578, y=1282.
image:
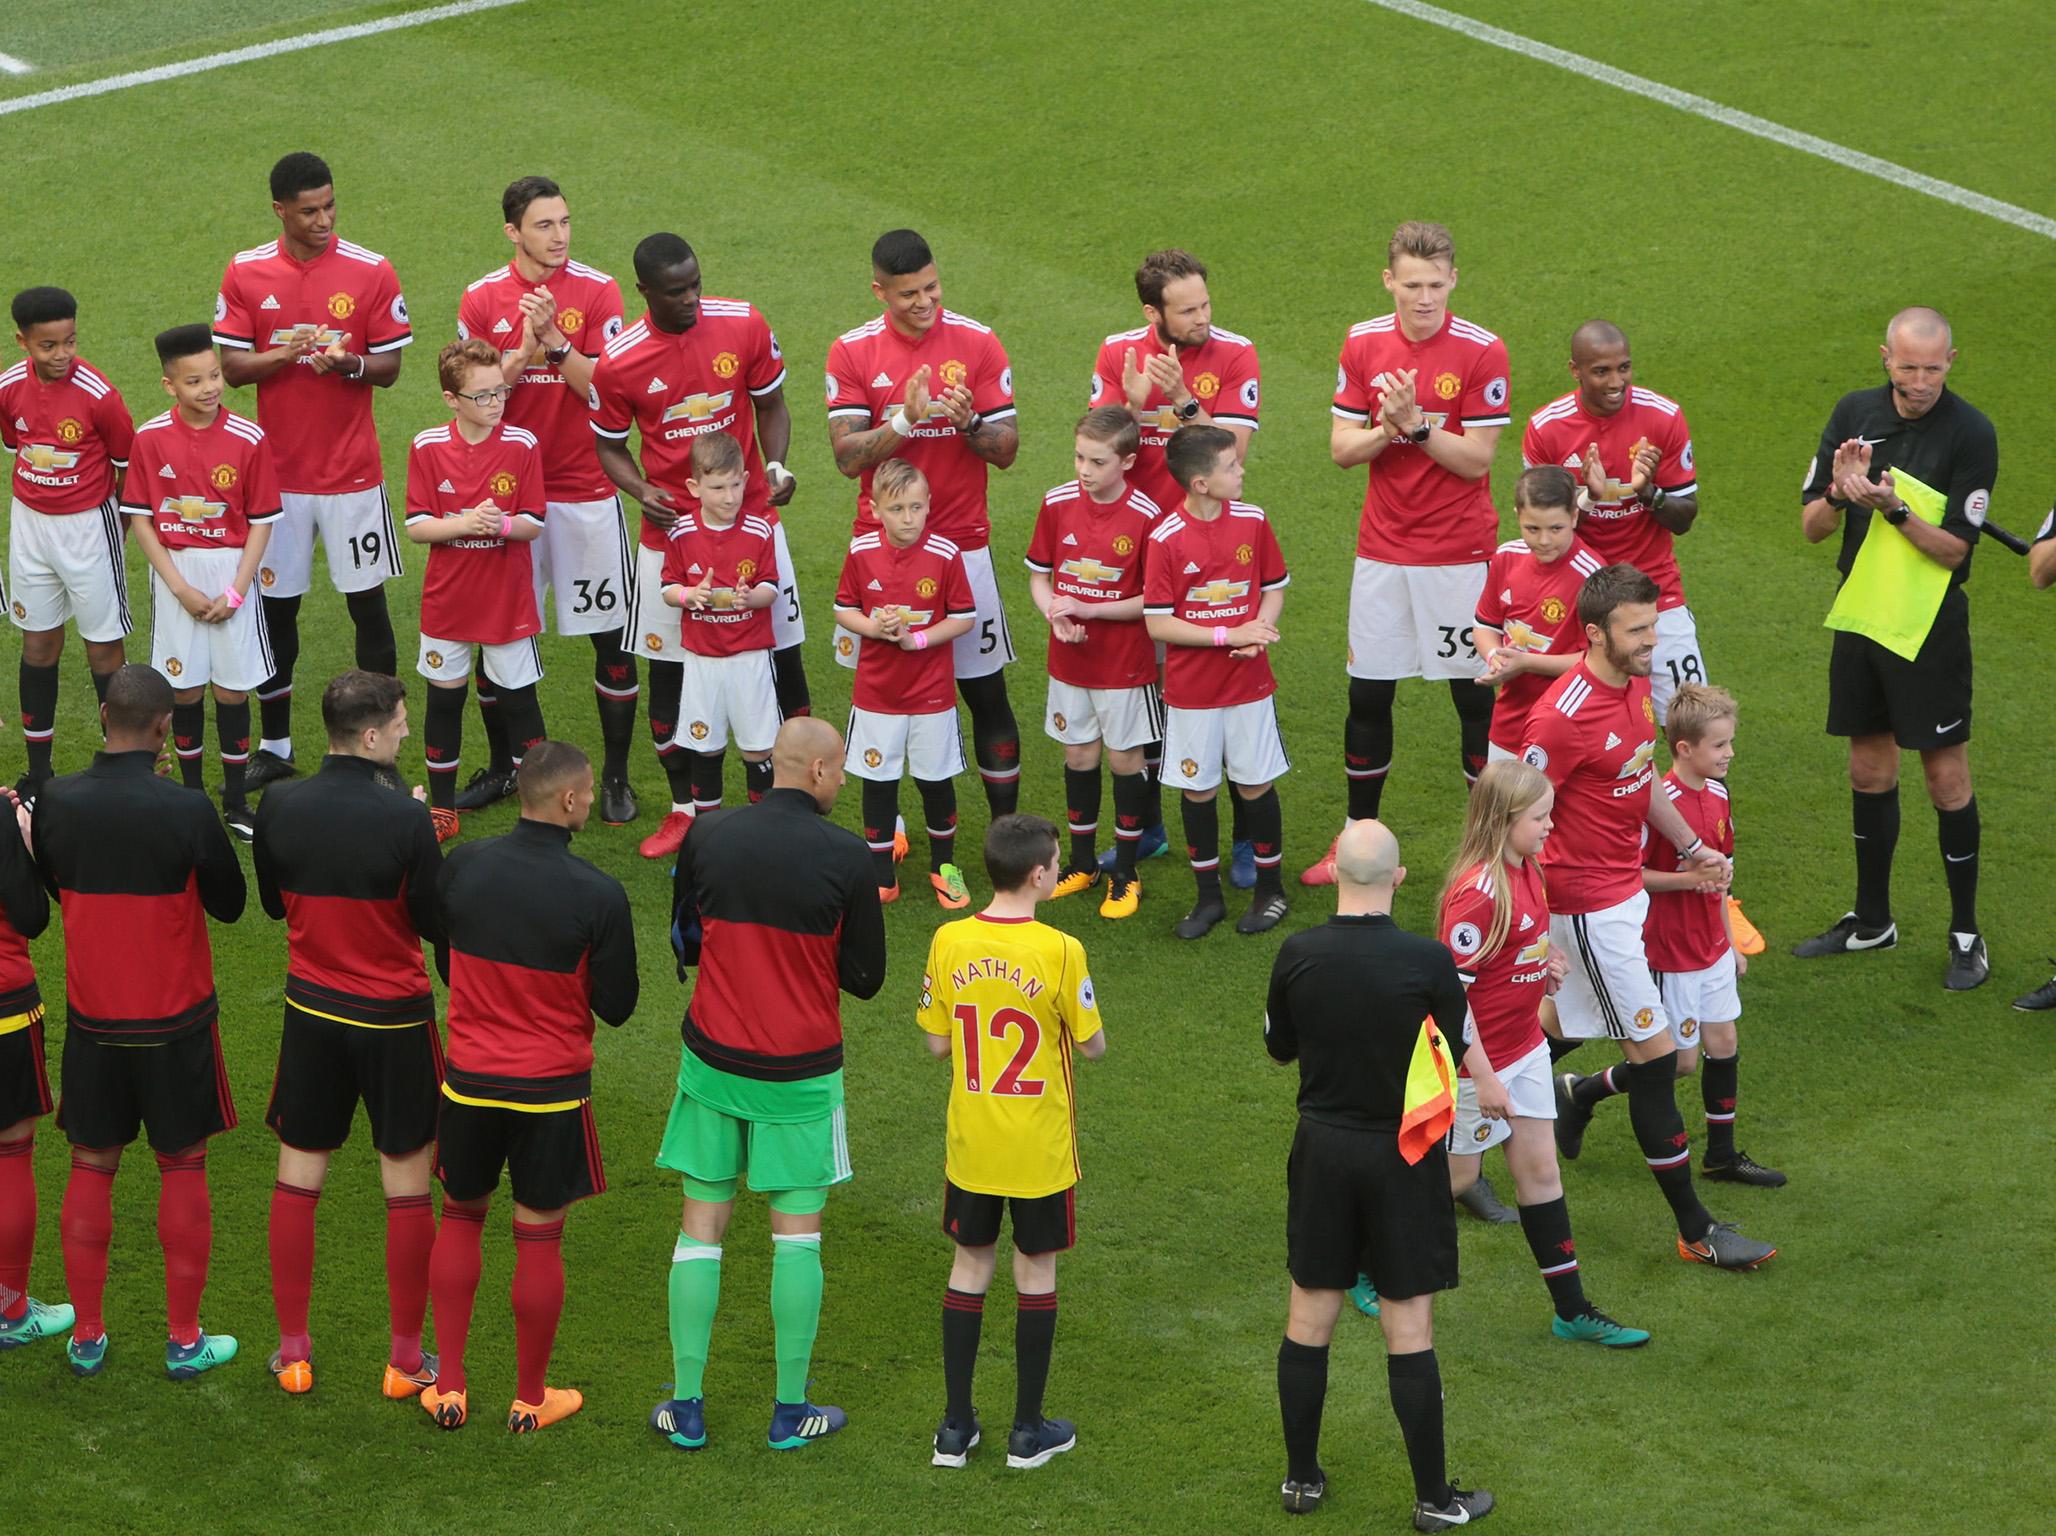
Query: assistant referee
x=1910, y=425
x=1347, y=1000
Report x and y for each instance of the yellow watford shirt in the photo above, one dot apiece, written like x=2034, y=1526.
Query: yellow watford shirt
x=1012, y=995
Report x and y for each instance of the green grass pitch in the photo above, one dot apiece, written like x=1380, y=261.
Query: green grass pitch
x=1884, y=1374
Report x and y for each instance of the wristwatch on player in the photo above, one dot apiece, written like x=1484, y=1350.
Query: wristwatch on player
x=1188, y=410
x=1895, y=515
x=1419, y=434
x=556, y=355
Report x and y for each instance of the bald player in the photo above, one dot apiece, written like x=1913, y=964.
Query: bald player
x=1631, y=450
x=1909, y=436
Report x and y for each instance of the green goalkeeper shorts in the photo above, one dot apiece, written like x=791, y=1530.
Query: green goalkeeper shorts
x=713, y=1148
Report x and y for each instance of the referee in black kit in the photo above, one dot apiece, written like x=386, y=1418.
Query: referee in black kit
x=1347, y=1000
x=1913, y=426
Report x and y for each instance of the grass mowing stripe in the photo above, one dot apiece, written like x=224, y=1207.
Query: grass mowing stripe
x=255, y=51
x=1731, y=117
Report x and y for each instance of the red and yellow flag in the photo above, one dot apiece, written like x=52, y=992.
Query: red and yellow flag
x=1430, y=1094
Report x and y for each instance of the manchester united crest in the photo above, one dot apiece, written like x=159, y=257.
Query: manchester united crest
x=1059, y=722
x=222, y=476
x=1553, y=610
x=1648, y=710
x=725, y=364
x=434, y=659
x=745, y=572
x=653, y=641
x=341, y=305
x=1448, y=385
x=70, y=430
x=570, y=321
x=1189, y=768
x=504, y=483
x=1244, y=554
x=926, y=587
x=1207, y=385
x=1123, y=545
x=953, y=373
x=698, y=729
x=873, y=757
x=173, y=667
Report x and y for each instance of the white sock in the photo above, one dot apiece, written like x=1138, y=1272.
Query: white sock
x=278, y=747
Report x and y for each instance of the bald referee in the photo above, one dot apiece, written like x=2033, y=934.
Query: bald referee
x=1910, y=427
x=1346, y=1001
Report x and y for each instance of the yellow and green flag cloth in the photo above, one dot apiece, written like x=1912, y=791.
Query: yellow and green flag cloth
x=1430, y=1107
x=1894, y=591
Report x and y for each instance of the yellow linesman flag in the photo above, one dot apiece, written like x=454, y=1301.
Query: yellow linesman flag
x=1430, y=1094
x=1894, y=591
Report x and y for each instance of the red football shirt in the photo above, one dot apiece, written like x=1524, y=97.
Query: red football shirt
x=201, y=488
x=739, y=557
x=1222, y=374
x=1618, y=527
x=1213, y=574
x=589, y=315
x=1504, y=986
x=1415, y=511
x=676, y=388
x=1688, y=930
x=1534, y=606
x=320, y=425
x=478, y=591
x=1597, y=744
x=68, y=438
x=927, y=581
x=1095, y=553
x=868, y=370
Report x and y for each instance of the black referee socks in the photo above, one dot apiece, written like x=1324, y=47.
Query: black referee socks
x=1302, y=1391
x=1958, y=832
x=1415, y=1382
x=1660, y=1132
x=1367, y=744
x=1876, y=820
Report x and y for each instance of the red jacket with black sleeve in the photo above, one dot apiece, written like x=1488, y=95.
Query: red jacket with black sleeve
x=778, y=907
x=536, y=942
x=351, y=866
x=137, y=864
x=26, y=909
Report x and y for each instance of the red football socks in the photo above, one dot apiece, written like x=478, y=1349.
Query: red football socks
x=292, y=1265
x=87, y=1227
x=17, y=1223
x=185, y=1230
x=538, y=1303
x=453, y=1268
x=410, y=1240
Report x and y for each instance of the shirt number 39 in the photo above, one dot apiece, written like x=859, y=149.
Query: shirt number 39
x=1002, y=1022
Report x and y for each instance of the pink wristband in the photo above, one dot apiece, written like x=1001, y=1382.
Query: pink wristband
x=920, y=639
x=233, y=598
x=1220, y=634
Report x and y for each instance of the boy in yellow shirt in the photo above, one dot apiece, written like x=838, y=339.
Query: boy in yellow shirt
x=1006, y=1000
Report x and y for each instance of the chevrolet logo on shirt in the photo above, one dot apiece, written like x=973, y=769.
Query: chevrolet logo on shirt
x=1162, y=419
x=1215, y=593
x=324, y=336
x=699, y=407
x=191, y=509
x=1522, y=638
x=913, y=618
x=1639, y=762
x=1533, y=954
x=1088, y=569
x=43, y=458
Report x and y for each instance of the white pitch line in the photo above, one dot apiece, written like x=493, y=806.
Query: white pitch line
x=1747, y=122
x=254, y=52
x=10, y=65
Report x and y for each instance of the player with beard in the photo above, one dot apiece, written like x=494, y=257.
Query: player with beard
x=1178, y=369
x=549, y=315
x=1594, y=734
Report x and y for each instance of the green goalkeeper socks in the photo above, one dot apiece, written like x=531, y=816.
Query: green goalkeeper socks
x=695, y=1294
x=795, y=1308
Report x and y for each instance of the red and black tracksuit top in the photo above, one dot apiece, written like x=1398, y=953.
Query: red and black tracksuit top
x=24, y=914
x=536, y=942
x=137, y=864
x=351, y=865
x=778, y=907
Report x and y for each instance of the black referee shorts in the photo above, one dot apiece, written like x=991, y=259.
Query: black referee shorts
x=325, y=1066
x=176, y=1090
x=551, y=1156
x=1354, y=1206
x=24, y=1083
x=1923, y=703
x=1044, y=1224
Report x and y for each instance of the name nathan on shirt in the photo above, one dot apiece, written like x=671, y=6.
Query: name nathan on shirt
x=992, y=968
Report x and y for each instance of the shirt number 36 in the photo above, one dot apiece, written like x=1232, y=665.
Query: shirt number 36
x=1004, y=1020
